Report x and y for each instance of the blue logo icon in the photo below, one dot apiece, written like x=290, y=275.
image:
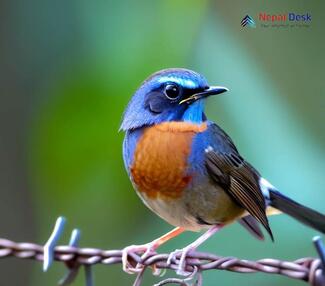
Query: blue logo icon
x=248, y=21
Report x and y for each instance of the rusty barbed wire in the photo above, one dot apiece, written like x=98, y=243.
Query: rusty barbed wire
x=306, y=269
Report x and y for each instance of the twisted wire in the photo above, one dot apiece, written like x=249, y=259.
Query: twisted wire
x=307, y=269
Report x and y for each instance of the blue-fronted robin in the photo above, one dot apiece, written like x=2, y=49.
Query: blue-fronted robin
x=188, y=171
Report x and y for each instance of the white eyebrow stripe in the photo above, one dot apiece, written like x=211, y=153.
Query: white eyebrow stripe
x=181, y=81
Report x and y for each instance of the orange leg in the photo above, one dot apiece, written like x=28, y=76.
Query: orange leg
x=147, y=249
x=169, y=235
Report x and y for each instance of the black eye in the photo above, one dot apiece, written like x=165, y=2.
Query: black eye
x=172, y=91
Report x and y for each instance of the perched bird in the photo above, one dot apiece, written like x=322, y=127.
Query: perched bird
x=188, y=171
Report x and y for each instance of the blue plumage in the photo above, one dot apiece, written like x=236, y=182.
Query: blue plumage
x=129, y=145
x=187, y=169
x=149, y=104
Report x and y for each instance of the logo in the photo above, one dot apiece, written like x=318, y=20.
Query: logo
x=248, y=21
x=279, y=20
x=292, y=17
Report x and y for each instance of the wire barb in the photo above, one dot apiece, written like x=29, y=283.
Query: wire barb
x=73, y=268
x=320, y=249
x=319, y=276
x=52, y=242
x=72, y=264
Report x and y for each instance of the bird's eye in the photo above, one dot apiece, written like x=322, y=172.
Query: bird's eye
x=172, y=91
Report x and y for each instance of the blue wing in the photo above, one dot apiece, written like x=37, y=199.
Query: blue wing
x=215, y=155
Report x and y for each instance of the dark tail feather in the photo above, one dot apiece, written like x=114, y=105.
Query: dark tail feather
x=301, y=213
x=252, y=225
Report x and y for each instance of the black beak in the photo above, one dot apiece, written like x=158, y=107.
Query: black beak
x=212, y=90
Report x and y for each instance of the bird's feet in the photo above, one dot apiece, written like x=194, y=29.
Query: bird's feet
x=183, y=253
x=146, y=250
x=180, y=254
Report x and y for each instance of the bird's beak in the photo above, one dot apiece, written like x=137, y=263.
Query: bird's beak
x=212, y=90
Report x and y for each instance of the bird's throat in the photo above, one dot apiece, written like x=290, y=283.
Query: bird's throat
x=194, y=112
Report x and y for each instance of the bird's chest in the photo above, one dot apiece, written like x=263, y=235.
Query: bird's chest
x=160, y=161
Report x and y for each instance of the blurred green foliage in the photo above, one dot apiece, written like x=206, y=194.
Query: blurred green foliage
x=89, y=57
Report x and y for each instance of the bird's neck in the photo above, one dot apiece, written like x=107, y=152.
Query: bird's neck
x=195, y=113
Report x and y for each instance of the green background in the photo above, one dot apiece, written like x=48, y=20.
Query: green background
x=68, y=69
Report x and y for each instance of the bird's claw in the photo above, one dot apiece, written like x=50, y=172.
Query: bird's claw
x=146, y=250
x=182, y=253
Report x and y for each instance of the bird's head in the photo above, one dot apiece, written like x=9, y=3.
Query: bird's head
x=169, y=95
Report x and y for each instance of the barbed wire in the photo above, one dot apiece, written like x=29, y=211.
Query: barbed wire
x=307, y=269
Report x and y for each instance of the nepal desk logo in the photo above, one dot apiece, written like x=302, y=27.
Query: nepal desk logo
x=248, y=21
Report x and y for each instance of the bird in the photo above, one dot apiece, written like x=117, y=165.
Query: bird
x=188, y=171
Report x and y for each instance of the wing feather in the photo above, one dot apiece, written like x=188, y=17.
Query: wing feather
x=238, y=178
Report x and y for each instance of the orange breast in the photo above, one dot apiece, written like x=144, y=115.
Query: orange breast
x=160, y=159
